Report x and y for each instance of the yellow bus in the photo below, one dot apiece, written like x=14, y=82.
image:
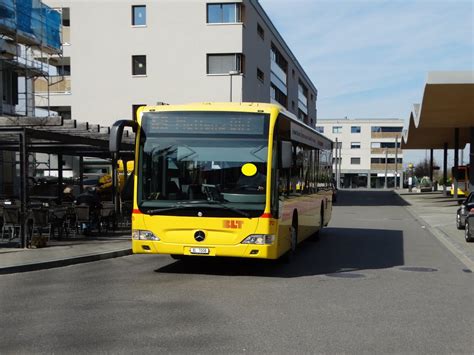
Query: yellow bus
x=226, y=179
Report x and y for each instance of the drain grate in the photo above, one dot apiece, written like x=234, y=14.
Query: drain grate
x=418, y=269
x=346, y=275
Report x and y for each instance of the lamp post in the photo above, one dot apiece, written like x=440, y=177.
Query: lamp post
x=232, y=73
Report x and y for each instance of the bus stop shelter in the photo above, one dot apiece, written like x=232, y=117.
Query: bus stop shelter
x=53, y=135
x=444, y=119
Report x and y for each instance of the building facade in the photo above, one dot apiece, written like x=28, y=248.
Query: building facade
x=124, y=54
x=369, y=154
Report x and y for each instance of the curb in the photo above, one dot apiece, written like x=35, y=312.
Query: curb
x=442, y=237
x=64, y=262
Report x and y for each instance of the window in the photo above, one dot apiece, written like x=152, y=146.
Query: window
x=138, y=15
x=320, y=129
x=64, y=70
x=279, y=59
x=355, y=129
x=355, y=145
x=138, y=64
x=260, y=31
x=355, y=161
x=260, y=75
x=224, y=63
x=382, y=160
x=302, y=95
x=224, y=13
x=302, y=116
x=384, y=145
x=277, y=95
x=66, y=17
x=337, y=129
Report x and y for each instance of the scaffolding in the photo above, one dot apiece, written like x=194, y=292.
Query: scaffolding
x=30, y=33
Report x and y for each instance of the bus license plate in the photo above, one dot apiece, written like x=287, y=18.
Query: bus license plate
x=199, y=250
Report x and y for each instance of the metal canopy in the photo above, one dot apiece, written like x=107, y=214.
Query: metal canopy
x=55, y=136
x=448, y=103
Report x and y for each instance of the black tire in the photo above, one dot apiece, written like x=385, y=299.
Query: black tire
x=290, y=254
x=316, y=236
x=469, y=238
x=459, y=224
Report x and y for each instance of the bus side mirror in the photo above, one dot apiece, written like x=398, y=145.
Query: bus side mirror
x=116, y=133
x=286, y=157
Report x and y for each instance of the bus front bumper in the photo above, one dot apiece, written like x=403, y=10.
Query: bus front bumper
x=238, y=250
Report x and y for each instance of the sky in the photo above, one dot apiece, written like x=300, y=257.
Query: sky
x=370, y=58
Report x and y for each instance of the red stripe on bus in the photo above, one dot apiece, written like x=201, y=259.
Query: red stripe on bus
x=266, y=215
x=137, y=212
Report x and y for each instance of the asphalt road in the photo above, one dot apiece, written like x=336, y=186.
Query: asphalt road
x=347, y=293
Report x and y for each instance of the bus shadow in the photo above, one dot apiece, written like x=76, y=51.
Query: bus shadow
x=339, y=250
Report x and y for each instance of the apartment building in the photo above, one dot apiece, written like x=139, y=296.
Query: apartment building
x=369, y=153
x=119, y=55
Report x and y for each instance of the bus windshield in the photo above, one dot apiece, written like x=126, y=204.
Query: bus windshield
x=191, y=163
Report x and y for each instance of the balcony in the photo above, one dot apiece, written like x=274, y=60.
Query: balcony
x=390, y=151
x=57, y=85
x=381, y=167
x=387, y=135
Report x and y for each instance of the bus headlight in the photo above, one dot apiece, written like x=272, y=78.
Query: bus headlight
x=260, y=239
x=143, y=235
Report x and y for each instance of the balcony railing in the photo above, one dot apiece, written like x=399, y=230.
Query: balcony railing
x=386, y=134
x=57, y=85
x=382, y=151
x=381, y=167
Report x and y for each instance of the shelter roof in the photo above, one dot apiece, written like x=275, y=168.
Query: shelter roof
x=57, y=136
x=448, y=103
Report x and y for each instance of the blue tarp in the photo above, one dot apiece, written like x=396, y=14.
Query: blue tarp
x=33, y=19
x=7, y=14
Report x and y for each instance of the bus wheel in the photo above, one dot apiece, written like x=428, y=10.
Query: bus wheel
x=293, y=238
x=289, y=255
x=315, y=237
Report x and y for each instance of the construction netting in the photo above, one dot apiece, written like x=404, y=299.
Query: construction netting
x=33, y=19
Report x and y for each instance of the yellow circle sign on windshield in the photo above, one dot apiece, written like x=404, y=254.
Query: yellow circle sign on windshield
x=249, y=169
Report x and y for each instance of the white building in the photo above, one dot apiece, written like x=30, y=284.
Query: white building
x=368, y=148
x=119, y=55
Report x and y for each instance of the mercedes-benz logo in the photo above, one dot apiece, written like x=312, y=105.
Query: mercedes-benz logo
x=199, y=236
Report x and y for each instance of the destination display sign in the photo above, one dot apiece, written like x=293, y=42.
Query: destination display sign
x=204, y=123
x=305, y=136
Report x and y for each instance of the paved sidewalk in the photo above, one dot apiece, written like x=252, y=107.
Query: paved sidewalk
x=437, y=213
x=62, y=253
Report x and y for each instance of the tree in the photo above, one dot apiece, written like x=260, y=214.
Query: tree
x=422, y=168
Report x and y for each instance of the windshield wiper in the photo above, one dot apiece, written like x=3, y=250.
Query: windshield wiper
x=193, y=204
